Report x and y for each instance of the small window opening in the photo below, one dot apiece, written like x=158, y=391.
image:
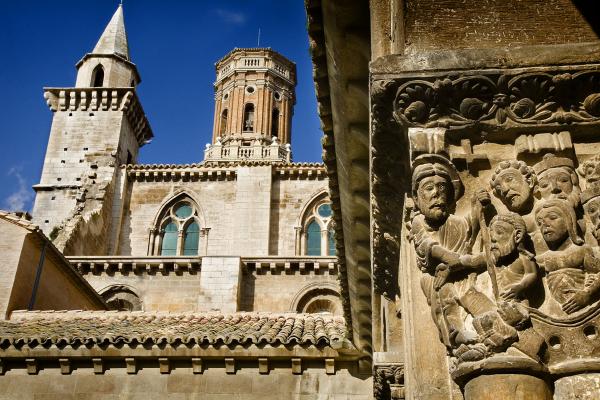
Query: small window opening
x=98, y=76
x=275, y=122
x=249, y=117
x=223, y=123
x=129, y=157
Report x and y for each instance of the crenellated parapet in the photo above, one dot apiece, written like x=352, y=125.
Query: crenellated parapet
x=102, y=99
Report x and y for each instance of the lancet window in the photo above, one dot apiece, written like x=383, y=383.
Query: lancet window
x=223, y=122
x=275, y=122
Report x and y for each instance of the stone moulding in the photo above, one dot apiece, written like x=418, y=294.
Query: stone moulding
x=95, y=99
x=494, y=100
x=170, y=173
x=192, y=265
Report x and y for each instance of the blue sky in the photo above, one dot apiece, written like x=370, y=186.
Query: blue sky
x=174, y=44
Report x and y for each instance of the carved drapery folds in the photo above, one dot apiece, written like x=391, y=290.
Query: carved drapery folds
x=502, y=211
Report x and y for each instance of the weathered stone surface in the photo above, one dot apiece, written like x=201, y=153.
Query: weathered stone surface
x=507, y=387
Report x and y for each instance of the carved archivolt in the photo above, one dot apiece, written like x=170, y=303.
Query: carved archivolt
x=318, y=298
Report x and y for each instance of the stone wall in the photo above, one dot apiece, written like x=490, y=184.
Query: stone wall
x=248, y=214
x=59, y=288
x=182, y=384
x=448, y=24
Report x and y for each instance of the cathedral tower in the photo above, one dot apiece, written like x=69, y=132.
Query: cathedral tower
x=254, y=100
x=97, y=125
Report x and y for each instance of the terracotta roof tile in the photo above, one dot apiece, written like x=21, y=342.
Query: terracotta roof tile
x=36, y=328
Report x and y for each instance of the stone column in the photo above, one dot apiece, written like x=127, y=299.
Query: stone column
x=585, y=386
x=507, y=386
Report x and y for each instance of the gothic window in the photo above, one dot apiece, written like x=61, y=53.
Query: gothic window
x=121, y=298
x=223, y=123
x=318, y=230
x=98, y=76
x=275, y=122
x=179, y=230
x=249, y=117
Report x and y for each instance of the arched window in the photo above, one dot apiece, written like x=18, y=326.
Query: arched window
x=318, y=237
x=98, y=76
x=191, y=238
x=249, y=117
x=223, y=123
x=313, y=239
x=275, y=122
x=169, y=241
x=179, y=232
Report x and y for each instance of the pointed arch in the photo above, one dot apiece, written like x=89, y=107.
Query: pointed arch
x=313, y=226
x=178, y=226
x=98, y=76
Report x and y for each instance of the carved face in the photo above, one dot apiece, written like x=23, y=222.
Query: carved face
x=433, y=194
x=513, y=189
x=555, y=183
x=503, y=239
x=592, y=210
x=553, y=225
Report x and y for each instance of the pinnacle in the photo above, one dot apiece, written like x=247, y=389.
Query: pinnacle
x=114, y=37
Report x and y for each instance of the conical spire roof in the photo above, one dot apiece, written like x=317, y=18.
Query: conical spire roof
x=114, y=37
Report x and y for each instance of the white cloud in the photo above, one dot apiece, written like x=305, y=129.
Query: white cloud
x=231, y=17
x=18, y=200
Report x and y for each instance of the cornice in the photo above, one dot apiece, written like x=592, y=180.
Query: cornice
x=103, y=99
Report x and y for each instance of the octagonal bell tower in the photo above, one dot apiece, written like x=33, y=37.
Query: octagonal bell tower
x=254, y=104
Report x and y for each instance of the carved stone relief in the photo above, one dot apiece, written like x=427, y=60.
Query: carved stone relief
x=503, y=213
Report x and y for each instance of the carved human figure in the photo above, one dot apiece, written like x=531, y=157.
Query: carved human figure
x=515, y=267
x=557, y=179
x=570, y=265
x=442, y=243
x=513, y=182
x=590, y=199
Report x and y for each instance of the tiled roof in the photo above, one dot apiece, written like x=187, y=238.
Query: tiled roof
x=63, y=328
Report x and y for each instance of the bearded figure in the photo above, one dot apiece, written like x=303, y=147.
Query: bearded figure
x=516, y=270
x=557, y=179
x=513, y=182
x=443, y=243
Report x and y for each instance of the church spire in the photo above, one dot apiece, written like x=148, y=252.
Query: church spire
x=109, y=65
x=114, y=37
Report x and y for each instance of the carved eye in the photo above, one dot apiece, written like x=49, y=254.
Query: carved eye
x=592, y=210
x=564, y=179
x=543, y=184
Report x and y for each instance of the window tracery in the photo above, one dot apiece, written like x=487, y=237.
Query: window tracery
x=179, y=230
x=317, y=231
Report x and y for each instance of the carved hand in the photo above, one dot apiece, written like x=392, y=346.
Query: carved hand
x=441, y=276
x=580, y=299
x=511, y=292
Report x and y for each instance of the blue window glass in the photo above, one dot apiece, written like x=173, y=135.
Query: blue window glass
x=331, y=241
x=324, y=210
x=313, y=239
x=169, y=242
x=183, y=211
x=192, y=237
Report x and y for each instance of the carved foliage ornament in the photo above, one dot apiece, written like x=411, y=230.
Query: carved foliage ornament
x=529, y=98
